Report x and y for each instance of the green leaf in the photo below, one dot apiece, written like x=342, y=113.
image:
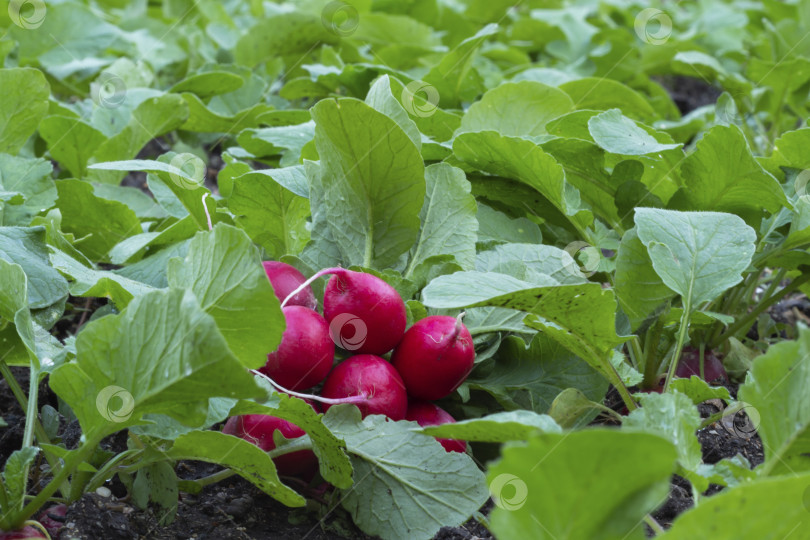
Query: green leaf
x=519, y=109
x=99, y=224
x=152, y=118
x=526, y=162
x=580, y=317
x=602, y=94
x=723, y=517
x=572, y=408
x=451, y=76
x=639, y=289
x=543, y=487
x=88, y=282
x=204, y=120
x=722, y=175
x=371, y=182
x=71, y=142
x=15, y=475
x=406, y=485
x=223, y=269
x=26, y=247
x=247, y=459
x=699, y=390
x=24, y=104
x=380, y=96
x=499, y=427
x=71, y=40
x=335, y=466
x=531, y=262
x=285, y=140
x=530, y=377
x=697, y=254
x=157, y=483
x=162, y=354
x=448, y=219
x=674, y=417
x=209, y=83
x=31, y=178
x=14, y=308
x=272, y=215
x=495, y=227
x=783, y=423
x=618, y=134
x=282, y=34
x=186, y=186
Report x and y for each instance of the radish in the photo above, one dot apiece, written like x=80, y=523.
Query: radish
x=305, y=355
x=372, y=382
x=435, y=356
x=365, y=314
x=285, y=279
x=425, y=413
x=689, y=365
x=26, y=532
x=258, y=429
x=53, y=519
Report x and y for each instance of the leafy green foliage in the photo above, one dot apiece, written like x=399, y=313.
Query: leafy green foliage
x=528, y=163
x=414, y=486
x=635, y=467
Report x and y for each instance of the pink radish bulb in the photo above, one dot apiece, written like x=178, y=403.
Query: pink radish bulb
x=285, y=279
x=25, y=532
x=258, y=429
x=305, y=355
x=690, y=365
x=434, y=357
x=53, y=519
x=366, y=314
x=425, y=413
x=371, y=379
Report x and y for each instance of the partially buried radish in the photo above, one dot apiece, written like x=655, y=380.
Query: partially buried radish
x=427, y=414
x=305, y=355
x=285, y=279
x=53, y=519
x=689, y=365
x=25, y=532
x=371, y=383
x=365, y=314
x=258, y=429
x=435, y=356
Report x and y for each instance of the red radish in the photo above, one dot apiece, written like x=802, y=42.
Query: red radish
x=305, y=355
x=365, y=314
x=435, y=356
x=25, y=532
x=53, y=519
x=285, y=279
x=258, y=429
x=690, y=365
x=425, y=413
x=373, y=380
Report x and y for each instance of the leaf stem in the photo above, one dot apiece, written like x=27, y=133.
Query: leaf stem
x=682, y=333
x=654, y=525
x=307, y=283
x=313, y=397
x=302, y=443
x=205, y=209
x=747, y=321
x=71, y=462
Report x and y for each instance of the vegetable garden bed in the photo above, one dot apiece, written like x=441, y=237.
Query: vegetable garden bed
x=418, y=269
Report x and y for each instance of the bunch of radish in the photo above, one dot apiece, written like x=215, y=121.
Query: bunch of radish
x=365, y=316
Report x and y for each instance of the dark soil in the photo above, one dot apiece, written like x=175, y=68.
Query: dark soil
x=689, y=93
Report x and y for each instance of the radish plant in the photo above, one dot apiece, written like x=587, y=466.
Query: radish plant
x=622, y=250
